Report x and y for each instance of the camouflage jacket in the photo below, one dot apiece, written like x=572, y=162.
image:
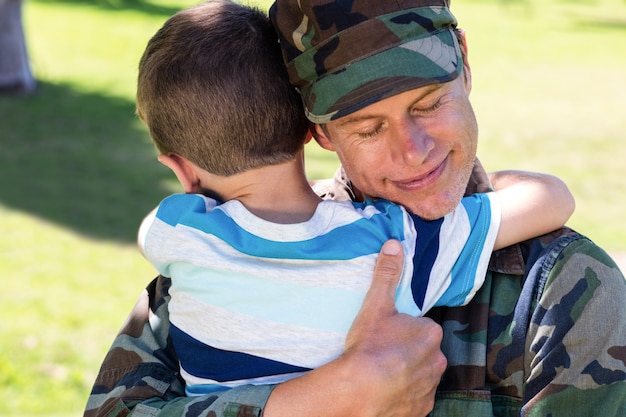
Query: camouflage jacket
x=545, y=336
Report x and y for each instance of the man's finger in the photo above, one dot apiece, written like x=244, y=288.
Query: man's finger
x=381, y=295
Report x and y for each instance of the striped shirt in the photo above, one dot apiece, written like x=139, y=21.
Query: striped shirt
x=255, y=302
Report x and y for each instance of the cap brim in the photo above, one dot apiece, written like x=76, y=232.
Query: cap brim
x=414, y=63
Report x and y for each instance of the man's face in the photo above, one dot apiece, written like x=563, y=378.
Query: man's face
x=416, y=148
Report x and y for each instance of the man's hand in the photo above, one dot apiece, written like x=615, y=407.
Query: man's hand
x=391, y=365
x=401, y=353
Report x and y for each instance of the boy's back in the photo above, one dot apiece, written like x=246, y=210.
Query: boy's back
x=281, y=297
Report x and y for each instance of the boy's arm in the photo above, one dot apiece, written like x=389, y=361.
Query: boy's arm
x=532, y=204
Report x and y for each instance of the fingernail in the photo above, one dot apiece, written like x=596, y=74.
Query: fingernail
x=392, y=247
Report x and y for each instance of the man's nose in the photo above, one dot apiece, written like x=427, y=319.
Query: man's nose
x=410, y=143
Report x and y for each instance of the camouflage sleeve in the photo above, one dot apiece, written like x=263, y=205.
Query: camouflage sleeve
x=576, y=341
x=140, y=377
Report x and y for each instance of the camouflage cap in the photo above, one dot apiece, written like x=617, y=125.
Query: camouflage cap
x=345, y=55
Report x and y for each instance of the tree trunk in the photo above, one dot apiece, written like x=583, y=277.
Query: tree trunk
x=15, y=74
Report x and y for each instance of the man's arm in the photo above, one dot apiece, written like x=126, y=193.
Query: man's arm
x=576, y=340
x=140, y=373
x=391, y=366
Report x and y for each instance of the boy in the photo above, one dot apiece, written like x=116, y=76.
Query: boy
x=264, y=288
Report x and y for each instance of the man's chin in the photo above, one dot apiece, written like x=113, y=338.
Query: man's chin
x=432, y=209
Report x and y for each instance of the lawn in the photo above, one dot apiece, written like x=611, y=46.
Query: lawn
x=78, y=172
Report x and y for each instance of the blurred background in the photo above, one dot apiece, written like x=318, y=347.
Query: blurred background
x=78, y=171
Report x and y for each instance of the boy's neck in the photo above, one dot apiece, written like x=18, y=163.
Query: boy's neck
x=276, y=193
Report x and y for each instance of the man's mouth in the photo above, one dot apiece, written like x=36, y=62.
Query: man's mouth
x=425, y=180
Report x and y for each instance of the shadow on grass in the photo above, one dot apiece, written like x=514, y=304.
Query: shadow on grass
x=136, y=5
x=81, y=160
x=599, y=24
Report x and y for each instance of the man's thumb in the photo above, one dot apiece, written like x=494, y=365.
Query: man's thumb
x=382, y=292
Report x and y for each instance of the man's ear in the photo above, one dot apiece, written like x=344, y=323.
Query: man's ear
x=309, y=136
x=321, y=136
x=184, y=170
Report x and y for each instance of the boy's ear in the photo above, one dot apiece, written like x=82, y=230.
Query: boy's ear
x=321, y=137
x=184, y=170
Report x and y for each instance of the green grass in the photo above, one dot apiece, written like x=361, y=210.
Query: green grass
x=549, y=92
x=78, y=172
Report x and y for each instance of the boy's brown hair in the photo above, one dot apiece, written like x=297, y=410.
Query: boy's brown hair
x=212, y=88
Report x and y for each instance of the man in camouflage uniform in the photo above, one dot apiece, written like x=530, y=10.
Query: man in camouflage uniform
x=545, y=335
